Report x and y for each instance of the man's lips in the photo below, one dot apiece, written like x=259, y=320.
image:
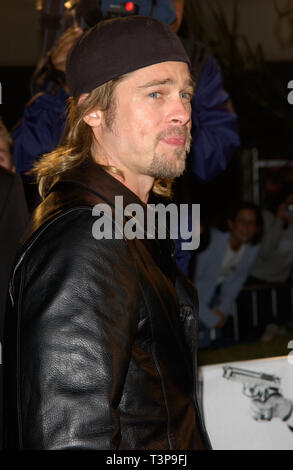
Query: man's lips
x=178, y=141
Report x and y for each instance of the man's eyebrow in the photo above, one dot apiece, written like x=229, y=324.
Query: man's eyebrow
x=167, y=81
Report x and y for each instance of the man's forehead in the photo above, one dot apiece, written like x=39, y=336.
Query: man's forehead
x=169, y=72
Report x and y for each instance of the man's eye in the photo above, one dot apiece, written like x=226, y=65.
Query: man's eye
x=155, y=94
x=186, y=96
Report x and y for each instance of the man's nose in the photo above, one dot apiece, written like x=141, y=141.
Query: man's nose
x=180, y=112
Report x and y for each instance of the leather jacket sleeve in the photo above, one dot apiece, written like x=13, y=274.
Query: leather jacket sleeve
x=80, y=311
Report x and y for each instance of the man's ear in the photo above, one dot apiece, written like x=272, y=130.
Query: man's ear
x=93, y=118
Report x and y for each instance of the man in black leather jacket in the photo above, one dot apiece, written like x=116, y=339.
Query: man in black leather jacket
x=101, y=335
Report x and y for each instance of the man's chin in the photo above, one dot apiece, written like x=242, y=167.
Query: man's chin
x=164, y=167
x=169, y=173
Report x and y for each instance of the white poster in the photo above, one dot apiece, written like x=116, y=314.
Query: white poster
x=249, y=405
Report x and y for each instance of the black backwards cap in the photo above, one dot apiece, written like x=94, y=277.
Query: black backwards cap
x=118, y=46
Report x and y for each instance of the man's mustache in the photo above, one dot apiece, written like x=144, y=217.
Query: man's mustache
x=175, y=132
x=180, y=131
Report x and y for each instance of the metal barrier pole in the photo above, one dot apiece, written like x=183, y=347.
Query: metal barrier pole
x=274, y=303
x=292, y=302
x=254, y=308
x=235, y=322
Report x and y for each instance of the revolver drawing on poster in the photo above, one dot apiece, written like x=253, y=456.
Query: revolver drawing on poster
x=257, y=385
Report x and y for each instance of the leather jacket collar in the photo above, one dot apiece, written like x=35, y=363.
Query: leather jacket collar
x=92, y=177
x=89, y=184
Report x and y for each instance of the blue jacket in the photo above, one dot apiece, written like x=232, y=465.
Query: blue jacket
x=215, y=133
x=207, y=271
x=40, y=129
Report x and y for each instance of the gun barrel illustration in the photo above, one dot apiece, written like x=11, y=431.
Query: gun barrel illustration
x=255, y=384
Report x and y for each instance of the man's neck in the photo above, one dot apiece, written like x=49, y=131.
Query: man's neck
x=140, y=185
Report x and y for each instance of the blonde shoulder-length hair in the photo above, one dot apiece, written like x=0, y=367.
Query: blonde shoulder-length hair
x=77, y=140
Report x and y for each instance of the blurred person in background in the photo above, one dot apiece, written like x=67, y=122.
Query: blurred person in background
x=275, y=259
x=6, y=159
x=222, y=268
x=13, y=211
x=274, y=263
x=13, y=223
